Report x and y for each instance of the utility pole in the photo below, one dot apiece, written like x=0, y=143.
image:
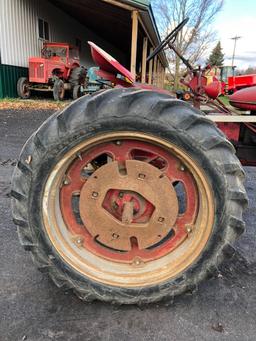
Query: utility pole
x=234, y=51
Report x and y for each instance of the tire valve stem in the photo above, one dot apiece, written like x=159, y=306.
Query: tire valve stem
x=182, y=168
x=79, y=156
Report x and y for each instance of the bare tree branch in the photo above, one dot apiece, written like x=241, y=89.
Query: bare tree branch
x=195, y=37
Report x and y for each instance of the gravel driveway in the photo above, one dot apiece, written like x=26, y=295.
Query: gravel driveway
x=33, y=309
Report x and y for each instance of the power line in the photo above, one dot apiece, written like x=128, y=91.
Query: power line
x=234, y=50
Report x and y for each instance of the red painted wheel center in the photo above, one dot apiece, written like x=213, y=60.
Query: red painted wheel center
x=128, y=200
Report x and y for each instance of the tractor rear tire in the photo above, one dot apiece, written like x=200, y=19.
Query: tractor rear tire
x=162, y=139
x=77, y=76
x=58, y=90
x=23, y=88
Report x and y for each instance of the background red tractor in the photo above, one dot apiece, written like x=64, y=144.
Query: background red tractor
x=58, y=69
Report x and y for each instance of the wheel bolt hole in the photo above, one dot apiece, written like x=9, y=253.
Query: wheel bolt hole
x=161, y=219
x=95, y=194
x=115, y=236
x=141, y=176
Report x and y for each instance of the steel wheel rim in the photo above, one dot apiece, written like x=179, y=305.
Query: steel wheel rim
x=117, y=273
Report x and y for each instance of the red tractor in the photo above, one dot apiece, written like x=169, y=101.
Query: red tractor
x=130, y=195
x=58, y=69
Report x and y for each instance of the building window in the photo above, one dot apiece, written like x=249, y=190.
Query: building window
x=79, y=44
x=43, y=29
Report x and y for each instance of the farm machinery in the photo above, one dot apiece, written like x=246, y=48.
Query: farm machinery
x=57, y=70
x=130, y=195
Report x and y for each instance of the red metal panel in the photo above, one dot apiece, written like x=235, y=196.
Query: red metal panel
x=243, y=81
x=108, y=63
x=230, y=129
x=37, y=67
x=244, y=99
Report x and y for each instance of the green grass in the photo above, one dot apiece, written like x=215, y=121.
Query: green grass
x=224, y=99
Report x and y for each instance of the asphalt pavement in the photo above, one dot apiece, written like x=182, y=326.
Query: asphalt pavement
x=33, y=309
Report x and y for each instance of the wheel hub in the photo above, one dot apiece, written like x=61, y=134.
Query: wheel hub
x=130, y=206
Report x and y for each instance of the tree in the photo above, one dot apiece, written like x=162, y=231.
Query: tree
x=194, y=39
x=216, y=57
x=250, y=70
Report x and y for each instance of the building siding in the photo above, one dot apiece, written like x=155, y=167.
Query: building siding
x=9, y=75
x=19, y=38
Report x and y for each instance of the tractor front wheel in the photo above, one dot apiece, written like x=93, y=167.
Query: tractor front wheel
x=128, y=196
x=76, y=92
x=58, y=90
x=23, y=88
x=77, y=76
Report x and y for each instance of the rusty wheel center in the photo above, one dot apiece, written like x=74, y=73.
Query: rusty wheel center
x=127, y=207
x=120, y=200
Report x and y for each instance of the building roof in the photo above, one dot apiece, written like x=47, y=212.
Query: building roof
x=148, y=18
x=113, y=21
x=143, y=3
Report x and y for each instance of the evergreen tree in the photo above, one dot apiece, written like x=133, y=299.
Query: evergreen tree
x=216, y=57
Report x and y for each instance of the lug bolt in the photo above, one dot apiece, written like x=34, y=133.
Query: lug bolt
x=137, y=261
x=66, y=181
x=188, y=229
x=95, y=194
x=161, y=219
x=115, y=236
x=79, y=241
x=182, y=168
x=141, y=176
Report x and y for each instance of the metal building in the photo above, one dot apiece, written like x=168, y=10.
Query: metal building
x=124, y=28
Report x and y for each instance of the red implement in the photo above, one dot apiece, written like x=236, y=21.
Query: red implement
x=244, y=99
x=107, y=63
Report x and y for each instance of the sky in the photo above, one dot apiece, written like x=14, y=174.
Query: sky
x=238, y=18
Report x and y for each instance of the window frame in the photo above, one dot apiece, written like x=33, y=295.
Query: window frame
x=43, y=29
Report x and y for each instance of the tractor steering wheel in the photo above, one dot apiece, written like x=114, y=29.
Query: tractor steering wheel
x=169, y=39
